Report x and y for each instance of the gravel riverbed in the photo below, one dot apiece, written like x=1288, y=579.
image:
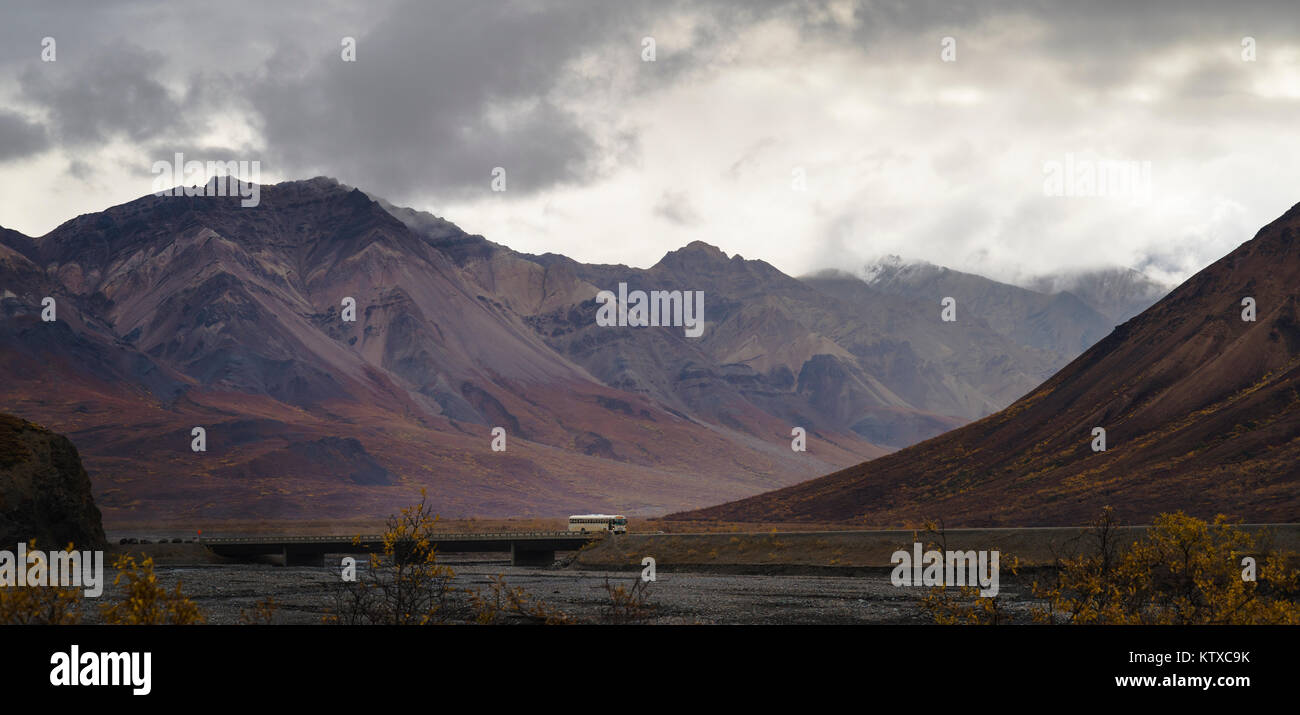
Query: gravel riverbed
x=302, y=594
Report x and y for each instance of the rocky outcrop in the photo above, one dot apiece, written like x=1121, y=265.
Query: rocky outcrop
x=44, y=490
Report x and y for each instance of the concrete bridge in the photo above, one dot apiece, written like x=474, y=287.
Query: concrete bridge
x=526, y=548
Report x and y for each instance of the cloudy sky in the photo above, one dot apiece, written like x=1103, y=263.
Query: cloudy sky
x=809, y=134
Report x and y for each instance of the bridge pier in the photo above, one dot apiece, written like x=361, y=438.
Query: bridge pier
x=294, y=557
x=524, y=556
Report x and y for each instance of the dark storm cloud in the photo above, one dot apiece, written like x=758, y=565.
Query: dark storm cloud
x=19, y=137
x=441, y=93
x=438, y=97
x=114, y=93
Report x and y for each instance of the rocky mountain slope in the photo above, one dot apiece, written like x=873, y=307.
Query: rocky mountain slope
x=1116, y=293
x=1059, y=323
x=182, y=312
x=1201, y=412
x=826, y=351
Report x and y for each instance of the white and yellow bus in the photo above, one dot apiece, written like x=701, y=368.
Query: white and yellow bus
x=584, y=523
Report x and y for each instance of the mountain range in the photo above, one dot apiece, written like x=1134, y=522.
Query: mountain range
x=176, y=312
x=1197, y=399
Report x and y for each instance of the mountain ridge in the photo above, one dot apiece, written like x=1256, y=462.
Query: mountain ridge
x=1201, y=410
x=176, y=312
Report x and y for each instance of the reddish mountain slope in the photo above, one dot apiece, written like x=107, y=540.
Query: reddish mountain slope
x=177, y=312
x=1201, y=411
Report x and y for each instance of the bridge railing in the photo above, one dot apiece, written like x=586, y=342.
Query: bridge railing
x=372, y=538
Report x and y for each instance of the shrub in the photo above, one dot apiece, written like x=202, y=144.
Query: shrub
x=37, y=605
x=627, y=605
x=502, y=603
x=405, y=584
x=146, y=602
x=1182, y=571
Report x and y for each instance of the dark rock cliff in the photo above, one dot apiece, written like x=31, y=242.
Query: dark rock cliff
x=44, y=490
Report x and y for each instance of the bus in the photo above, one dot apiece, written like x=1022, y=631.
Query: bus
x=616, y=523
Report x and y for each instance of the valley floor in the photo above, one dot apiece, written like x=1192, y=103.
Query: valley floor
x=302, y=594
x=227, y=591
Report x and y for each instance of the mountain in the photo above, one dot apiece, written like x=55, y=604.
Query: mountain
x=176, y=313
x=1201, y=410
x=1059, y=323
x=1116, y=293
x=182, y=312
x=962, y=368
x=826, y=355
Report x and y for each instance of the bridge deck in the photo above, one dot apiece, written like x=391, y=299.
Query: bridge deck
x=530, y=546
x=378, y=538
